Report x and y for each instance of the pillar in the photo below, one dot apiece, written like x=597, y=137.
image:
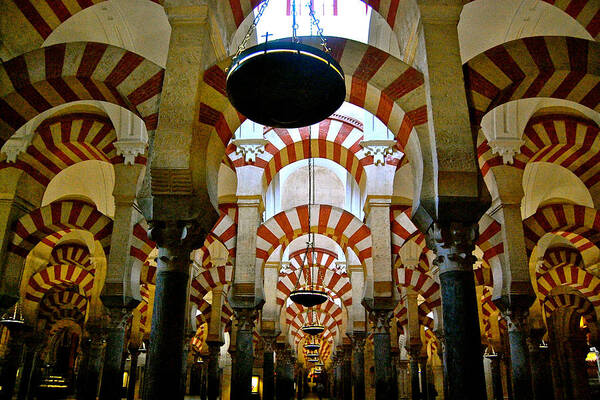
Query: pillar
x=280, y=367
x=403, y=374
x=516, y=317
x=577, y=349
x=424, y=377
x=358, y=364
x=163, y=370
x=11, y=364
x=213, y=382
x=269, y=368
x=541, y=377
x=347, y=371
x=32, y=346
x=242, y=372
x=112, y=375
x=496, y=377
x=133, y=367
x=415, y=388
x=382, y=353
x=93, y=369
x=454, y=243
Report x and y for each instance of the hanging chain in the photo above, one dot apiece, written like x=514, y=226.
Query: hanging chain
x=294, y=23
x=253, y=26
x=315, y=22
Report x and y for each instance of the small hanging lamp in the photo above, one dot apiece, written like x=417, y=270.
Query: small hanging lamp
x=14, y=320
x=312, y=344
x=313, y=327
x=285, y=84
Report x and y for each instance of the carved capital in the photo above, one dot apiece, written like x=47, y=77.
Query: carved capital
x=117, y=318
x=269, y=342
x=507, y=148
x=15, y=146
x=379, y=149
x=246, y=318
x=358, y=341
x=381, y=320
x=517, y=319
x=454, y=244
x=130, y=149
x=250, y=148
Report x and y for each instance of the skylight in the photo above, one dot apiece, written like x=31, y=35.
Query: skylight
x=343, y=18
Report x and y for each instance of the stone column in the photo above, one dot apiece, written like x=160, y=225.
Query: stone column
x=11, y=364
x=269, y=368
x=403, y=374
x=242, y=372
x=382, y=353
x=358, y=364
x=496, y=377
x=163, y=370
x=93, y=371
x=415, y=387
x=541, y=377
x=133, y=366
x=577, y=349
x=454, y=243
x=213, y=382
x=32, y=347
x=516, y=317
x=280, y=367
x=112, y=375
x=347, y=372
x=424, y=377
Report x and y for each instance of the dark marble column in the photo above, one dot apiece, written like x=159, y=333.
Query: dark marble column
x=11, y=363
x=454, y=243
x=93, y=371
x=358, y=364
x=112, y=374
x=289, y=374
x=415, y=388
x=164, y=366
x=213, y=383
x=424, y=377
x=577, y=349
x=496, y=374
x=516, y=317
x=244, y=362
x=382, y=353
x=347, y=371
x=33, y=344
x=269, y=368
x=541, y=375
x=133, y=366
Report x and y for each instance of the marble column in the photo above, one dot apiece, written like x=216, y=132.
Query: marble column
x=32, y=346
x=382, y=353
x=541, y=375
x=289, y=374
x=453, y=244
x=112, y=374
x=133, y=367
x=269, y=368
x=516, y=317
x=213, y=383
x=424, y=377
x=415, y=388
x=577, y=349
x=358, y=364
x=496, y=373
x=403, y=375
x=242, y=372
x=11, y=364
x=93, y=371
x=163, y=369
x=279, y=368
x=347, y=371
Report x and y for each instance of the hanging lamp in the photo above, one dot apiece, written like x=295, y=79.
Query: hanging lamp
x=285, y=84
x=310, y=294
x=313, y=327
x=14, y=320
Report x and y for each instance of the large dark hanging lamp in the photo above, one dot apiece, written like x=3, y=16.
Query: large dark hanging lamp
x=285, y=84
x=309, y=295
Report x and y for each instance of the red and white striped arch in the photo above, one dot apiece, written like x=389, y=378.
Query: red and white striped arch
x=390, y=89
x=419, y=282
x=333, y=222
x=551, y=66
x=403, y=229
x=575, y=223
x=557, y=257
x=44, y=78
x=328, y=314
x=587, y=284
x=72, y=254
x=581, y=304
x=209, y=279
x=66, y=140
x=205, y=309
x=58, y=276
x=63, y=305
x=46, y=224
x=37, y=19
x=337, y=140
x=483, y=275
x=336, y=284
x=490, y=238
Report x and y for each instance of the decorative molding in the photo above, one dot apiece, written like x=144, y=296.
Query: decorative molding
x=167, y=181
x=130, y=149
x=507, y=148
x=250, y=148
x=15, y=146
x=379, y=149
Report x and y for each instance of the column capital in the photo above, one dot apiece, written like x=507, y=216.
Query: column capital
x=381, y=320
x=249, y=148
x=516, y=318
x=453, y=243
x=246, y=318
x=175, y=234
x=358, y=341
x=117, y=317
x=270, y=341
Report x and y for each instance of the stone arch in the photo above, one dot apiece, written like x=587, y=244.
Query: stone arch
x=41, y=79
x=576, y=278
x=57, y=276
x=421, y=283
x=52, y=306
x=72, y=254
